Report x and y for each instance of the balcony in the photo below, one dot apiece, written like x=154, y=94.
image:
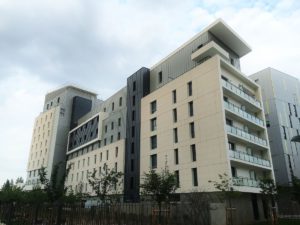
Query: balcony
x=236, y=90
x=249, y=158
x=246, y=136
x=209, y=50
x=243, y=181
x=247, y=116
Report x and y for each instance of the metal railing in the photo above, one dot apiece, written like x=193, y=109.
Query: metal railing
x=235, y=109
x=239, y=132
x=243, y=181
x=240, y=93
x=249, y=158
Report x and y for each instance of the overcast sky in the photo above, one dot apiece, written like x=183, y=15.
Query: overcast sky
x=97, y=44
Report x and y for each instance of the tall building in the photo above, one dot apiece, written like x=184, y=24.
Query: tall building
x=62, y=108
x=281, y=97
x=194, y=112
x=97, y=143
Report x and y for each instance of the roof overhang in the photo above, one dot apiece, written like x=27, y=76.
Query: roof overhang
x=229, y=37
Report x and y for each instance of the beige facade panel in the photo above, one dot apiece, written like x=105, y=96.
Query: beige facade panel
x=84, y=164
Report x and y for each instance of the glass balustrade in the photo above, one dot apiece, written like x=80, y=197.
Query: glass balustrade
x=240, y=93
x=243, y=181
x=242, y=113
x=239, y=132
x=249, y=158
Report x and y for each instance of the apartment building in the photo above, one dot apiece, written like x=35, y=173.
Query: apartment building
x=62, y=108
x=97, y=143
x=281, y=98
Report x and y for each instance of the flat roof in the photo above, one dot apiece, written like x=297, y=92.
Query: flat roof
x=224, y=33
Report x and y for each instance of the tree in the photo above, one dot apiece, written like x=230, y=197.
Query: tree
x=296, y=188
x=106, y=183
x=10, y=192
x=55, y=187
x=269, y=193
x=160, y=186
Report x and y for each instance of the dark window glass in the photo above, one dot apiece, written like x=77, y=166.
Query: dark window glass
x=153, y=161
x=132, y=148
x=131, y=182
x=133, y=100
x=190, y=88
x=133, y=115
x=231, y=145
x=120, y=101
x=160, y=77
x=174, y=115
x=175, y=135
x=191, y=109
x=132, y=131
x=119, y=122
x=153, y=140
x=192, y=129
x=153, y=124
x=195, y=177
x=113, y=106
x=153, y=106
x=134, y=86
x=174, y=96
x=193, y=152
x=176, y=158
x=132, y=165
x=112, y=125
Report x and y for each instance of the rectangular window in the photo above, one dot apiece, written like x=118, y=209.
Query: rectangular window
x=111, y=139
x=120, y=101
x=119, y=122
x=233, y=171
x=132, y=131
x=174, y=99
x=195, y=177
x=116, y=167
x=176, y=158
x=191, y=109
x=153, y=140
x=193, y=152
x=291, y=121
x=176, y=172
x=88, y=161
x=190, y=88
x=101, y=157
x=119, y=135
x=132, y=148
x=159, y=76
x=133, y=115
x=113, y=106
x=289, y=104
x=131, y=182
x=175, y=135
x=95, y=159
x=153, y=124
x=117, y=151
x=153, y=159
x=133, y=100
x=192, y=130
x=133, y=86
x=106, y=154
x=132, y=165
x=284, y=132
x=175, y=115
x=295, y=109
x=105, y=129
x=112, y=125
x=104, y=141
x=231, y=146
x=153, y=106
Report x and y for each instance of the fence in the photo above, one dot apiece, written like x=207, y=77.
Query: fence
x=117, y=214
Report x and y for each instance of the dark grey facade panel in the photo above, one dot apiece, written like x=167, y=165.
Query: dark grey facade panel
x=84, y=134
x=137, y=87
x=80, y=107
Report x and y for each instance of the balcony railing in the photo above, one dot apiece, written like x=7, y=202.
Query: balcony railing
x=242, y=113
x=240, y=93
x=249, y=158
x=243, y=181
x=243, y=134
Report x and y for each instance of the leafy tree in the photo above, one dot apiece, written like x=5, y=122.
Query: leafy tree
x=160, y=186
x=106, y=183
x=10, y=192
x=55, y=187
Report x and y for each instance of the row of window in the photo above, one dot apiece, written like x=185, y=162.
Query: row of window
x=87, y=160
x=41, y=120
x=51, y=103
x=39, y=136
x=112, y=125
x=88, y=173
x=113, y=105
x=153, y=139
x=153, y=163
